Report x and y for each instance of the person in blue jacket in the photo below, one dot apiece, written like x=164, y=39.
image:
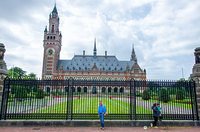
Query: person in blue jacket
x=101, y=112
x=156, y=114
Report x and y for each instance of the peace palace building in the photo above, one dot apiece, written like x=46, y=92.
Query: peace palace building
x=90, y=67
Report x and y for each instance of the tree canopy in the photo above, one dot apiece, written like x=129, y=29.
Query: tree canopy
x=19, y=72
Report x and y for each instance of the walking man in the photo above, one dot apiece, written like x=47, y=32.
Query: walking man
x=101, y=112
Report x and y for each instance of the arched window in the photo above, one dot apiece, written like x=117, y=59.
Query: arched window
x=94, y=90
x=51, y=37
x=73, y=89
x=121, y=90
x=103, y=90
x=66, y=89
x=52, y=29
x=115, y=90
x=79, y=89
x=109, y=90
x=47, y=37
x=54, y=37
x=85, y=89
x=48, y=89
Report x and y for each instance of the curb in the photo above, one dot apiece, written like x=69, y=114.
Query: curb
x=93, y=123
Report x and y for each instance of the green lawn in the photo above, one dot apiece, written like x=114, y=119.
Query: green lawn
x=85, y=105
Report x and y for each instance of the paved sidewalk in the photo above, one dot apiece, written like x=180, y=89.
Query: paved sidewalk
x=95, y=129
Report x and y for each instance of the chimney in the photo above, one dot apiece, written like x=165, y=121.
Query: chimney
x=83, y=52
x=106, y=53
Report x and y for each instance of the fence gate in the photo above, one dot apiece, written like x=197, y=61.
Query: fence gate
x=79, y=99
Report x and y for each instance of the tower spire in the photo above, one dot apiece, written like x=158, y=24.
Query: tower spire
x=55, y=9
x=133, y=55
x=95, y=49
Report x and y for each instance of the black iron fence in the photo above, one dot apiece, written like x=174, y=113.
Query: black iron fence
x=79, y=99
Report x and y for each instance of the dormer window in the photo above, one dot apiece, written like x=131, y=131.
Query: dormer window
x=136, y=70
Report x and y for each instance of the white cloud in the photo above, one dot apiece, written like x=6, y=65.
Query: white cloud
x=164, y=33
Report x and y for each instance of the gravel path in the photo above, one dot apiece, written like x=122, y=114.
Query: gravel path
x=166, y=109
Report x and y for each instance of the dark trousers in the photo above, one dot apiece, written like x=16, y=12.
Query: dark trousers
x=155, y=120
x=101, y=116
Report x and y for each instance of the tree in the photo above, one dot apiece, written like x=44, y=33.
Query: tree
x=180, y=95
x=153, y=86
x=146, y=95
x=164, y=96
x=40, y=94
x=16, y=72
x=32, y=75
x=21, y=93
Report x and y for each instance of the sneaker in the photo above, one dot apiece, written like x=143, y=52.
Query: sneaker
x=151, y=124
x=102, y=128
x=155, y=127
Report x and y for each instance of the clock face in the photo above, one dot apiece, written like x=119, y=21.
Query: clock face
x=50, y=52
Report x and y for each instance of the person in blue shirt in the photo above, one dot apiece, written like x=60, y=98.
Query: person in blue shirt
x=101, y=112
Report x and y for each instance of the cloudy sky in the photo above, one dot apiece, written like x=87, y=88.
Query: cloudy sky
x=164, y=32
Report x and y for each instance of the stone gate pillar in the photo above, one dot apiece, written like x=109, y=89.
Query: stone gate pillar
x=3, y=70
x=196, y=75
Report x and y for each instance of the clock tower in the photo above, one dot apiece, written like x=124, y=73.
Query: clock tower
x=52, y=45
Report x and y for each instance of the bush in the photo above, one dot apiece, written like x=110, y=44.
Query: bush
x=21, y=93
x=180, y=95
x=46, y=94
x=31, y=95
x=146, y=95
x=40, y=94
x=53, y=93
x=164, y=96
x=11, y=96
x=138, y=94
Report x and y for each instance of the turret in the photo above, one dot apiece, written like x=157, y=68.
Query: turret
x=133, y=55
x=95, y=49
